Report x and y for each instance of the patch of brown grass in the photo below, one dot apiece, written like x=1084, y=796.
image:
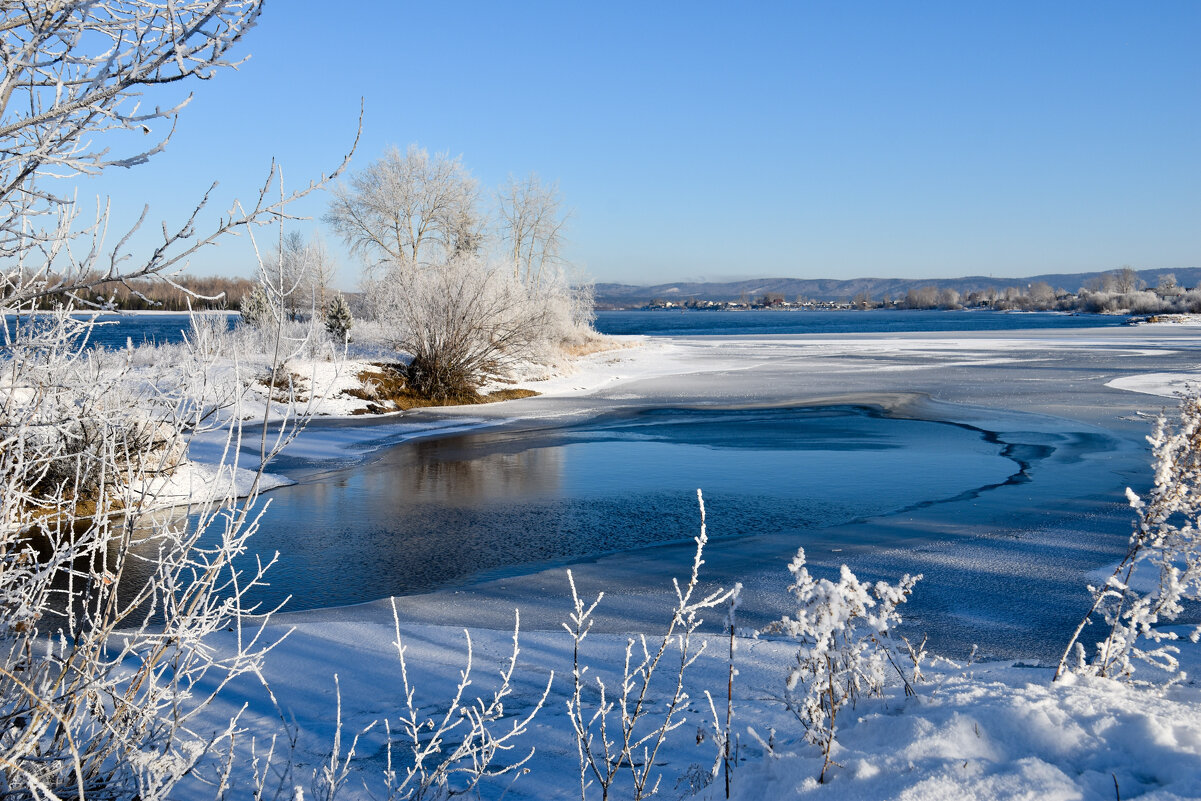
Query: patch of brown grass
x=385, y=390
x=288, y=387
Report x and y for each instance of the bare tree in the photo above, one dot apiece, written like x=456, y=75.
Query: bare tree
x=304, y=272
x=407, y=210
x=1126, y=280
x=532, y=222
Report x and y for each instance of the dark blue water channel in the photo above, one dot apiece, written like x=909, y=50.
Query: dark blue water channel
x=118, y=330
x=434, y=513
x=749, y=323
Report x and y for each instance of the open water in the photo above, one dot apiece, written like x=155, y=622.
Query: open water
x=434, y=513
x=749, y=323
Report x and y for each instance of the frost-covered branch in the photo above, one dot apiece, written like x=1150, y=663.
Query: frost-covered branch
x=1166, y=543
x=449, y=751
x=630, y=722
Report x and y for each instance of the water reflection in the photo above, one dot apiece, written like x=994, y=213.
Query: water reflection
x=117, y=572
x=433, y=512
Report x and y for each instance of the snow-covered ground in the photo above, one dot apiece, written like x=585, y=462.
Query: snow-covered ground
x=993, y=729
x=980, y=731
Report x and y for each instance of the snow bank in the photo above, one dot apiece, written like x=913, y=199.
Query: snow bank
x=1164, y=385
x=983, y=731
x=1000, y=732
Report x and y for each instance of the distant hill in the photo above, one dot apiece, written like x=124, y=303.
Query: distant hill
x=626, y=296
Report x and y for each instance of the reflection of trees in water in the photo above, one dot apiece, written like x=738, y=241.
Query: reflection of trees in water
x=436, y=511
x=468, y=472
x=129, y=558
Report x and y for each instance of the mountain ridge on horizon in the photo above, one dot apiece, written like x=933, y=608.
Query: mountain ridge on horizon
x=617, y=295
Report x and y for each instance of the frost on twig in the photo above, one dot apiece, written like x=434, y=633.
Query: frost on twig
x=846, y=647
x=448, y=751
x=623, y=732
x=1166, y=544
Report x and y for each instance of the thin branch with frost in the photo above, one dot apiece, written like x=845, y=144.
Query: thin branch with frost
x=624, y=732
x=440, y=766
x=1166, y=538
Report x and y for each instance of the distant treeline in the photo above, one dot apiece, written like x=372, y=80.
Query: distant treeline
x=212, y=292
x=1121, y=291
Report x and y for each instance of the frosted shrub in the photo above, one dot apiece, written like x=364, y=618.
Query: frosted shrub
x=105, y=600
x=622, y=734
x=70, y=423
x=1166, y=544
x=463, y=322
x=846, y=648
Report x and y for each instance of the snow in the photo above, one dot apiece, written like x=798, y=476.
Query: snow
x=1165, y=385
x=194, y=480
x=981, y=731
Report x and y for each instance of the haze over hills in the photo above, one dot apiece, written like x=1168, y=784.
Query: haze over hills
x=617, y=296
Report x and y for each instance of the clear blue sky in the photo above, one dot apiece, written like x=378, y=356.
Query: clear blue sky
x=705, y=140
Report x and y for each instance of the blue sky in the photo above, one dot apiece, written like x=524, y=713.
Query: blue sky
x=704, y=140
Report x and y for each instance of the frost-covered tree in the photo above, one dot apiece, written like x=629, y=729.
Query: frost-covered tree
x=256, y=309
x=531, y=225
x=407, y=210
x=338, y=320
x=432, y=281
x=302, y=272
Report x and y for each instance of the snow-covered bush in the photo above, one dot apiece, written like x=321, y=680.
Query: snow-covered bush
x=1166, y=544
x=846, y=647
x=462, y=322
x=622, y=734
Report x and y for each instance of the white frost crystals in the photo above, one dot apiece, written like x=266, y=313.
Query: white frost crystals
x=846, y=647
x=1166, y=542
x=632, y=718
